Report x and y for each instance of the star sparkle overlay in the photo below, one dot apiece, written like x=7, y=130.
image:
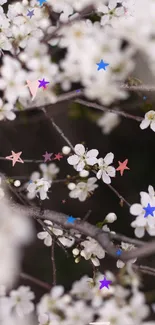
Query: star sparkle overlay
x=15, y=157
x=149, y=210
x=102, y=65
x=41, y=2
x=43, y=83
x=119, y=252
x=30, y=13
x=47, y=156
x=70, y=219
x=122, y=166
x=105, y=283
x=58, y=156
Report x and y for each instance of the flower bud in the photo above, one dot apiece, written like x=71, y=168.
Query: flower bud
x=111, y=217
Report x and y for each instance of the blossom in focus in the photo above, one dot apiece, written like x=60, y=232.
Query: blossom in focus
x=83, y=157
x=149, y=120
x=106, y=171
x=83, y=189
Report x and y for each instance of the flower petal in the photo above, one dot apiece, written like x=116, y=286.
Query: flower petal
x=92, y=153
x=106, y=179
x=152, y=126
x=91, y=161
x=136, y=209
x=80, y=166
x=99, y=174
x=139, y=232
x=79, y=149
x=73, y=160
x=144, y=124
x=108, y=159
x=111, y=171
x=48, y=240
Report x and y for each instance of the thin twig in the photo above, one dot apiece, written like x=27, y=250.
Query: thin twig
x=126, y=239
x=35, y=281
x=59, y=130
x=87, y=215
x=119, y=195
x=105, y=109
x=144, y=269
x=53, y=262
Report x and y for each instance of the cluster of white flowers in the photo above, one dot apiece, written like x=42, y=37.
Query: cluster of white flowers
x=16, y=305
x=83, y=159
x=41, y=185
x=21, y=36
x=86, y=301
x=140, y=223
x=66, y=240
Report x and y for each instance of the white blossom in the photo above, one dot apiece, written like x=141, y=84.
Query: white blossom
x=106, y=171
x=149, y=120
x=82, y=157
x=83, y=189
x=6, y=111
x=140, y=223
x=111, y=217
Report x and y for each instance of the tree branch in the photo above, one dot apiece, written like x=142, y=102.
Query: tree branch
x=35, y=281
x=53, y=262
x=110, y=110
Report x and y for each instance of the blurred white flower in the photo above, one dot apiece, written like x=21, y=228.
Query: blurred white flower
x=49, y=171
x=40, y=186
x=126, y=247
x=108, y=121
x=6, y=111
x=106, y=171
x=82, y=157
x=83, y=189
x=21, y=300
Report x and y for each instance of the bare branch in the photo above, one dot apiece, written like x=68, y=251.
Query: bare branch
x=110, y=110
x=53, y=262
x=35, y=281
x=144, y=269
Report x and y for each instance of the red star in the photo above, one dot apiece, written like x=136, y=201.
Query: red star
x=58, y=156
x=122, y=166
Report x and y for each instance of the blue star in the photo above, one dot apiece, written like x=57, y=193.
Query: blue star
x=41, y=1
x=102, y=65
x=70, y=219
x=149, y=210
x=119, y=252
x=30, y=13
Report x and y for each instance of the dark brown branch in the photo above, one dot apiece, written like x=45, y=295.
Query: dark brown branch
x=144, y=269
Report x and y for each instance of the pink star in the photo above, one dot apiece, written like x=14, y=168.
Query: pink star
x=58, y=156
x=47, y=156
x=122, y=166
x=15, y=157
x=63, y=201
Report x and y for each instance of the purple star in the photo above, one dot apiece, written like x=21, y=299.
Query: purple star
x=30, y=13
x=43, y=83
x=105, y=283
x=47, y=156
